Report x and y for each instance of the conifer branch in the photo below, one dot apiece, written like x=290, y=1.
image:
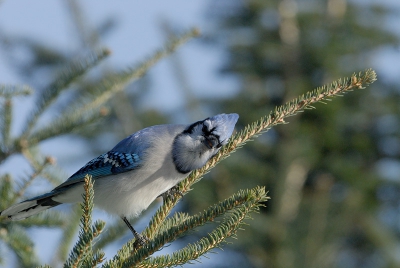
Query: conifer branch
x=81, y=254
x=6, y=190
x=48, y=219
x=54, y=174
x=5, y=124
x=276, y=117
x=9, y=91
x=69, y=230
x=113, y=233
x=243, y=202
x=116, y=82
x=65, y=124
x=45, y=164
x=15, y=237
x=39, y=165
x=68, y=75
x=193, y=251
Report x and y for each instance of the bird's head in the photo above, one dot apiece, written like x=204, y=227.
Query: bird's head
x=202, y=140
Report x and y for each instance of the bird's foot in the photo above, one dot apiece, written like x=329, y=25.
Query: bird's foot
x=171, y=193
x=140, y=240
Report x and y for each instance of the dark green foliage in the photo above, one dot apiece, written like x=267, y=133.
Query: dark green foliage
x=234, y=211
x=72, y=72
x=161, y=230
x=300, y=162
x=321, y=169
x=82, y=254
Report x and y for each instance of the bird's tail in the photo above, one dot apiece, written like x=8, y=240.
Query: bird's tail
x=30, y=207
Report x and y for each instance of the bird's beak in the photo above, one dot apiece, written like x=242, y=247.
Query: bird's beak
x=208, y=143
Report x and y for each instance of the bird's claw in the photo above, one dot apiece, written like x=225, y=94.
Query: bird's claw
x=140, y=241
x=171, y=193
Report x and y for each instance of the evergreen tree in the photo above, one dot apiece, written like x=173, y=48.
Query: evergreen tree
x=320, y=170
x=81, y=101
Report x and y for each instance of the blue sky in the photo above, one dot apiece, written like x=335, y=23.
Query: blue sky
x=136, y=36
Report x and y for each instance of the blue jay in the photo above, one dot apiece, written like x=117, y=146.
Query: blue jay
x=143, y=166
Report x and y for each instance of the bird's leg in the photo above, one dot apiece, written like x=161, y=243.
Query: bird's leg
x=140, y=239
x=171, y=193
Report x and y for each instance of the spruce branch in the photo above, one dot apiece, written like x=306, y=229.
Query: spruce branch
x=68, y=75
x=49, y=219
x=39, y=164
x=116, y=82
x=276, y=117
x=67, y=123
x=16, y=238
x=10, y=195
x=6, y=190
x=193, y=251
x=9, y=91
x=6, y=124
x=115, y=231
x=234, y=208
x=81, y=255
x=13, y=234
x=69, y=230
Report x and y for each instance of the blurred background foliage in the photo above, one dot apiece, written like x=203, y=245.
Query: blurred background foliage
x=331, y=172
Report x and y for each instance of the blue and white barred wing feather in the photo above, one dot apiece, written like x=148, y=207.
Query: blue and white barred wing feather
x=107, y=164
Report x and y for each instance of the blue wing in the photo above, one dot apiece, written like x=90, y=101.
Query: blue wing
x=110, y=163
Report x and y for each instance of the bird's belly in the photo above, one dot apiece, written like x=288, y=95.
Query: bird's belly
x=129, y=196
x=125, y=194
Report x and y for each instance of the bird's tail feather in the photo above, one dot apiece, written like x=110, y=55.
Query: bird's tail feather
x=30, y=207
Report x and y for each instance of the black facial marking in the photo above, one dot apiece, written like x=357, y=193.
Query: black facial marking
x=190, y=129
x=205, y=130
x=219, y=145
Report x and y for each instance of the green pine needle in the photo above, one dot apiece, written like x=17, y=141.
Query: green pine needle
x=234, y=209
x=9, y=91
x=5, y=123
x=68, y=75
x=16, y=238
x=82, y=254
x=63, y=125
x=239, y=206
x=6, y=191
x=116, y=82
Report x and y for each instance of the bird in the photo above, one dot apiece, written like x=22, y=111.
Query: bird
x=145, y=165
